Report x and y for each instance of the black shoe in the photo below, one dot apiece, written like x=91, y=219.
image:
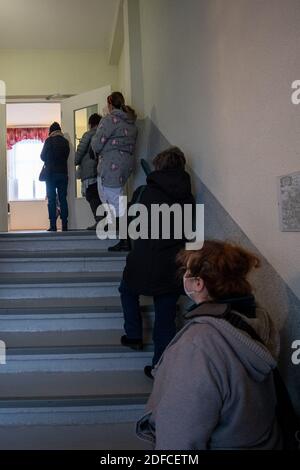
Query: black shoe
x=65, y=227
x=123, y=245
x=136, y=344
x=148, y=372
x=52, y=229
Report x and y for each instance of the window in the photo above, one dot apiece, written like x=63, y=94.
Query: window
x=23, y=167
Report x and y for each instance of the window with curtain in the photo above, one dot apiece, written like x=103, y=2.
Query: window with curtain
x=23, y=167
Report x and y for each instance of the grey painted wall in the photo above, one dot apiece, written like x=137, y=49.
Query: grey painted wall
x=270, y=289
x=217, y=78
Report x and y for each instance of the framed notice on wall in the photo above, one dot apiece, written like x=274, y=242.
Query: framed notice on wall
x=289, y=202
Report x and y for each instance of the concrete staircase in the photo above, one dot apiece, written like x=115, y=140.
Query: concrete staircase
x=67, y=382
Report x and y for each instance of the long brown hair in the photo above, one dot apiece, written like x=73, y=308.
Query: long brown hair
x=117, y=100
x=223, y=266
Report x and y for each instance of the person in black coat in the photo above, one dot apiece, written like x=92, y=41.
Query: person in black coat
x=55, y=156
x=151, y=265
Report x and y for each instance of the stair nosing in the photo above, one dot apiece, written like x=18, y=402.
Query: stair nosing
x=73, y=402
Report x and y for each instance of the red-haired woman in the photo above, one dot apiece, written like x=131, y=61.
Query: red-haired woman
x=214, y=386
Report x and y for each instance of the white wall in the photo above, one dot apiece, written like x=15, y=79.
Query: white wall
x=28, y=215
x=32, y=114
x=45, y=72
x=217, y=82
x=122, y=73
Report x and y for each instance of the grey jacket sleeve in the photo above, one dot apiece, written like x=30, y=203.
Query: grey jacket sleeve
x=104, y=132
x=189, y=401
x=82, y=148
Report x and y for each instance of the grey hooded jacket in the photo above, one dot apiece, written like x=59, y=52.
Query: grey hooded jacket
x=88, y=166
x=214, y=388
x=115, y=142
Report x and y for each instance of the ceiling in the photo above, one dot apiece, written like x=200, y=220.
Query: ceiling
x=57, y=24
x=37, y=114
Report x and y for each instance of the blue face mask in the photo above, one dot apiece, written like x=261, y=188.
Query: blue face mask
x=188, y=293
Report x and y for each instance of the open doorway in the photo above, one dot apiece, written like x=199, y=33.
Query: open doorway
x=26, y=196
x=27, y=129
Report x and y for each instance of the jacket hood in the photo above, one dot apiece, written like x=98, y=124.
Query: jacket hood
x=123, y=116
x=56, y=133
x=258, y=359
x=176, y=184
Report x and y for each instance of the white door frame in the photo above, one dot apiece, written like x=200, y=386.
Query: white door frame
x=69, y=103
x=3, y=171
x=80, y=215
x=4, y=216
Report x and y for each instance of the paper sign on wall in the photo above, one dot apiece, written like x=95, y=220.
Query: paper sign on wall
x=289, y=202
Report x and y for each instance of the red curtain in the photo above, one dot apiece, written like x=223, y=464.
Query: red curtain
x=16, y=134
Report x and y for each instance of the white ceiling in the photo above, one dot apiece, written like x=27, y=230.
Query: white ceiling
x=37, y=114
x=57, y=24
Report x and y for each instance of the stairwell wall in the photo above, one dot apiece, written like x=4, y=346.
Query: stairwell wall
x=217, y=78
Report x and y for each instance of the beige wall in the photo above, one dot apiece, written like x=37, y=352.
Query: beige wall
x=28, y=215
x=40, y=72
x=217, y=82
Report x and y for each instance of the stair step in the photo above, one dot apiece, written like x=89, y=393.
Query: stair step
x=48, y=278
x=66, y=261
x=44, y=241
x=67, y=305
x=96, y=437
x=104, y=328
x=67, y=382
x=50, y=385
x=25, y=254
x=30, y=235
x=64, y=411
x=75, y=359
x=95, y=375
x=109, y=401
x=47, y=285
x=83, y=423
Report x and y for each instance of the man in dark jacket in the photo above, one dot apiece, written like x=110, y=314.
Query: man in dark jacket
x=55, y=155
x=88, y=167
x=151, y=265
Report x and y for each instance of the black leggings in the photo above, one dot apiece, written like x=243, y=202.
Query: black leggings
x=92, y=196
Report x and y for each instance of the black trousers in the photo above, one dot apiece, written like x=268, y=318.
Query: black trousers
x=165, y=318
x=57, y=185
x=92, y=196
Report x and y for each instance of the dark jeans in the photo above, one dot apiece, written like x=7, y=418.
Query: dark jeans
x=57, y=185
x=164, y=324
x=92, y=197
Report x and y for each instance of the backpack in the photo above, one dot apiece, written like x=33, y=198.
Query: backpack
x=288, y=420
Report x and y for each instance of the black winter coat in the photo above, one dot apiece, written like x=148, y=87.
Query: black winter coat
x=151, y=266
x=55, y=154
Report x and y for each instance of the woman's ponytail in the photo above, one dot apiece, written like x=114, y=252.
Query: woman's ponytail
x=130, y=111
x=117, y=100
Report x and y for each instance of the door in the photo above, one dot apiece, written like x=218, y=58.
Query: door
x=75, y=114
x=3, y=170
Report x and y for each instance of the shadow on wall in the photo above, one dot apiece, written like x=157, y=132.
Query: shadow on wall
x=270, y=289
x=150, y=142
